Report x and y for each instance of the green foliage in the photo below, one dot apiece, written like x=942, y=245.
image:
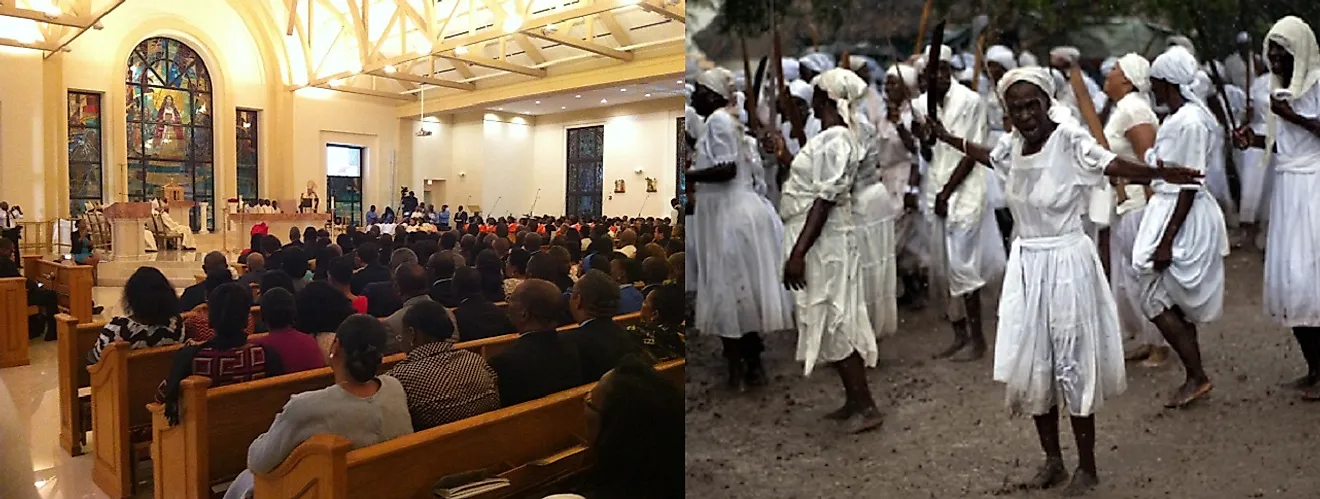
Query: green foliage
x=750, y=17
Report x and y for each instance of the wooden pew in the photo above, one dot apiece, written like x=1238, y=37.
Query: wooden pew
x=122, y=384
x=531, y=444
x=71, y=282
x=492, y=347
x=201, y=450
x=74, y=340
x=14, y=322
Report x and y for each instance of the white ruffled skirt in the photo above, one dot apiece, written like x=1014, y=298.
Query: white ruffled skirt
x=1257, y=184
x=831, y=311
x=1125, y=283
x=735, y=238
x=874, y=213
x=1194, y=282
x=1292, y=263
x=1058, y=339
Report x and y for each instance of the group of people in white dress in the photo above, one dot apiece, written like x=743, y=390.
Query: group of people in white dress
x=1112, y=232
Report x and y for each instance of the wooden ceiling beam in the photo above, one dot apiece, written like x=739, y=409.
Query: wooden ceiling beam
x=7, y=9
x=617, y=30
x=425, y=80
x=675, y=13
x=487, y=62
x=592, y=47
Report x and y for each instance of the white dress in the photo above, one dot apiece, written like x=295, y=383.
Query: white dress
x=966, y=250
x=1130, y=111
x=1216, y=177
x=1058, y=338
x=874, y=212
x=831, y=311
x=1292, y=263
x=1194, y=281
x=1257, y=179
x=737, y=243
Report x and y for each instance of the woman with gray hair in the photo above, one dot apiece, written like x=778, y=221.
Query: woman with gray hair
x=1058, y=338
x=823, y=264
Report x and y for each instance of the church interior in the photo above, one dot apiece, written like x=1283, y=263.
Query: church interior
x=508, y=108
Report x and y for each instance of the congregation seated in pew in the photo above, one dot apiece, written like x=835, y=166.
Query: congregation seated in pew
x=256, y=269
x=625, y=272
x=360, y=406
x=410, y=280
x=660, y=332
x=371, y=270
x=515, y=270
x=217, y=272
x=541, y=361
x=47, y=302
x=442, y=266
x=296, y=350
x=492, y=275
x=655, y=271
x=339, y=273
x=151, y=315
x=383, y=298
x=227, y=357
x=601, y=343
x=443, y=384
x=476, y=316
x=321, y=309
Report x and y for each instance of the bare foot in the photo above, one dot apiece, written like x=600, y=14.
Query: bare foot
x=1139, y=353
x=1050, y=474
x=1156, y=358
x=972, y=354
x=1082, y=483
x=841, y=413
x=958, y=344
x=866, y=420
x=1188, y=393
x=1303, y=382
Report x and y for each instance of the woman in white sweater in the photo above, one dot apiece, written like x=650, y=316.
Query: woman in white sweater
x=360, y=406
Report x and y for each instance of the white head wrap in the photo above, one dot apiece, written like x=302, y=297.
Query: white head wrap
x=1137, y=70
x=818, y=62
x=907, y=74
x=1047, y=81
x=946, y=53
x=1072, y=54
x=719, y=80
x=1202, y=85
x=1108, y=65
x=790, y=68
x=1027, y=59
x=1184, y=42
x=1002, y=56
x=740, y=99
x=1178, y=66
x=844, y=88
x=801, y=90
x=919, y=63
x=1295, y=36
x=965, y=76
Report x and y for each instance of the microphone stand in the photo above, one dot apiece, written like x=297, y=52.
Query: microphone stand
x=534, y=200
x=643, y=207
x=497, y=203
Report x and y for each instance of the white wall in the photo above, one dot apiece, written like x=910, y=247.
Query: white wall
x=327, y=116
x=21, y=153
x=508, y=158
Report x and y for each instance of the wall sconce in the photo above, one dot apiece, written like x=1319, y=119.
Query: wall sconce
x=462, y=174
x=638, y=171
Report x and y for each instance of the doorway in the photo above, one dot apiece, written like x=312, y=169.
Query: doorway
x=343, y=181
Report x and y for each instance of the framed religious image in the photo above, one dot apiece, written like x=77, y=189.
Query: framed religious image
x=619, y=186
x=650, y=184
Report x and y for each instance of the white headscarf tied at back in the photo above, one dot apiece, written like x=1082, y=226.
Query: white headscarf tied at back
x=1002, y=56
x=1044, y=79
x=844, y=88
x=801, y=90
x=1178, y=66
x=1108, y=66
x=1295, y=36
x=790, y=69
x=818, y=62
x=1202, y=85
x=1137, y=70
x=719, y=80
x=906, y=74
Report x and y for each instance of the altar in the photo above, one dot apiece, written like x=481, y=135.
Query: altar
x=277, y=223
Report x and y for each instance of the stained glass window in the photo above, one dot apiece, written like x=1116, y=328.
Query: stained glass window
x=169, y=124
x=84, y=151
x=681, y=164
x=246, y=131
x=586, y=171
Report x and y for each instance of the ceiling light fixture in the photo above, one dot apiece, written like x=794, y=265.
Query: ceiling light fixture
x=563, y=107
x=538, y=103
x=623, y=90
x=550, y=29
x=603, y=101
x=461, y=50
x=389, y=68
x=52, y=10
x=647, y=95
x=512, y=23
x=577, y=96
x=336, y=82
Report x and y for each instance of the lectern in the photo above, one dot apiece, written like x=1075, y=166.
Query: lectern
x=127, y=221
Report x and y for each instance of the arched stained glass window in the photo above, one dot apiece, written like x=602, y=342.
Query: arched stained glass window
x=169, y=124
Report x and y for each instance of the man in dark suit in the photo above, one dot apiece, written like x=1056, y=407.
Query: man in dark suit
x=601, y=343
x=368, y=256
x=217, y=272
x=45, y=300
x=540, y=362
x=382, y=297
x=478, y=317
x=442, y=266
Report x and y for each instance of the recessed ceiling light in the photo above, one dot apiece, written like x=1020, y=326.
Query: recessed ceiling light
x=647, y=95
x=603, y=101
x=461, y=50
x=538, y=102
x=577, y=96
x=623, y=90
x=680, y=82
x=499, y=109
x=563, y=107
x=389, y=68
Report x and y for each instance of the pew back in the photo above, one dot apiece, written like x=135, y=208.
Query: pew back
x=13, y=322
x=71, y=282
x=74, y=340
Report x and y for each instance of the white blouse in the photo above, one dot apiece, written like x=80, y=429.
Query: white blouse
x=1292, y=140
x=1184, y=139
x=1132, y=110
x=1048, y=191
x=824, y=169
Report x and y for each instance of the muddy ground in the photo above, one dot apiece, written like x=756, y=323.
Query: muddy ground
x=948, y=435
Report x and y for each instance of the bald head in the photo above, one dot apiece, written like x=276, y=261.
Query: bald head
x=256, y=262
x=595, y=295
x=536, y=304
x=214, y=262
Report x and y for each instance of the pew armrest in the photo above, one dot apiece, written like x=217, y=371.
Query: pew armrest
x=551, y=460
x=317, y=469
x=179, y=453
